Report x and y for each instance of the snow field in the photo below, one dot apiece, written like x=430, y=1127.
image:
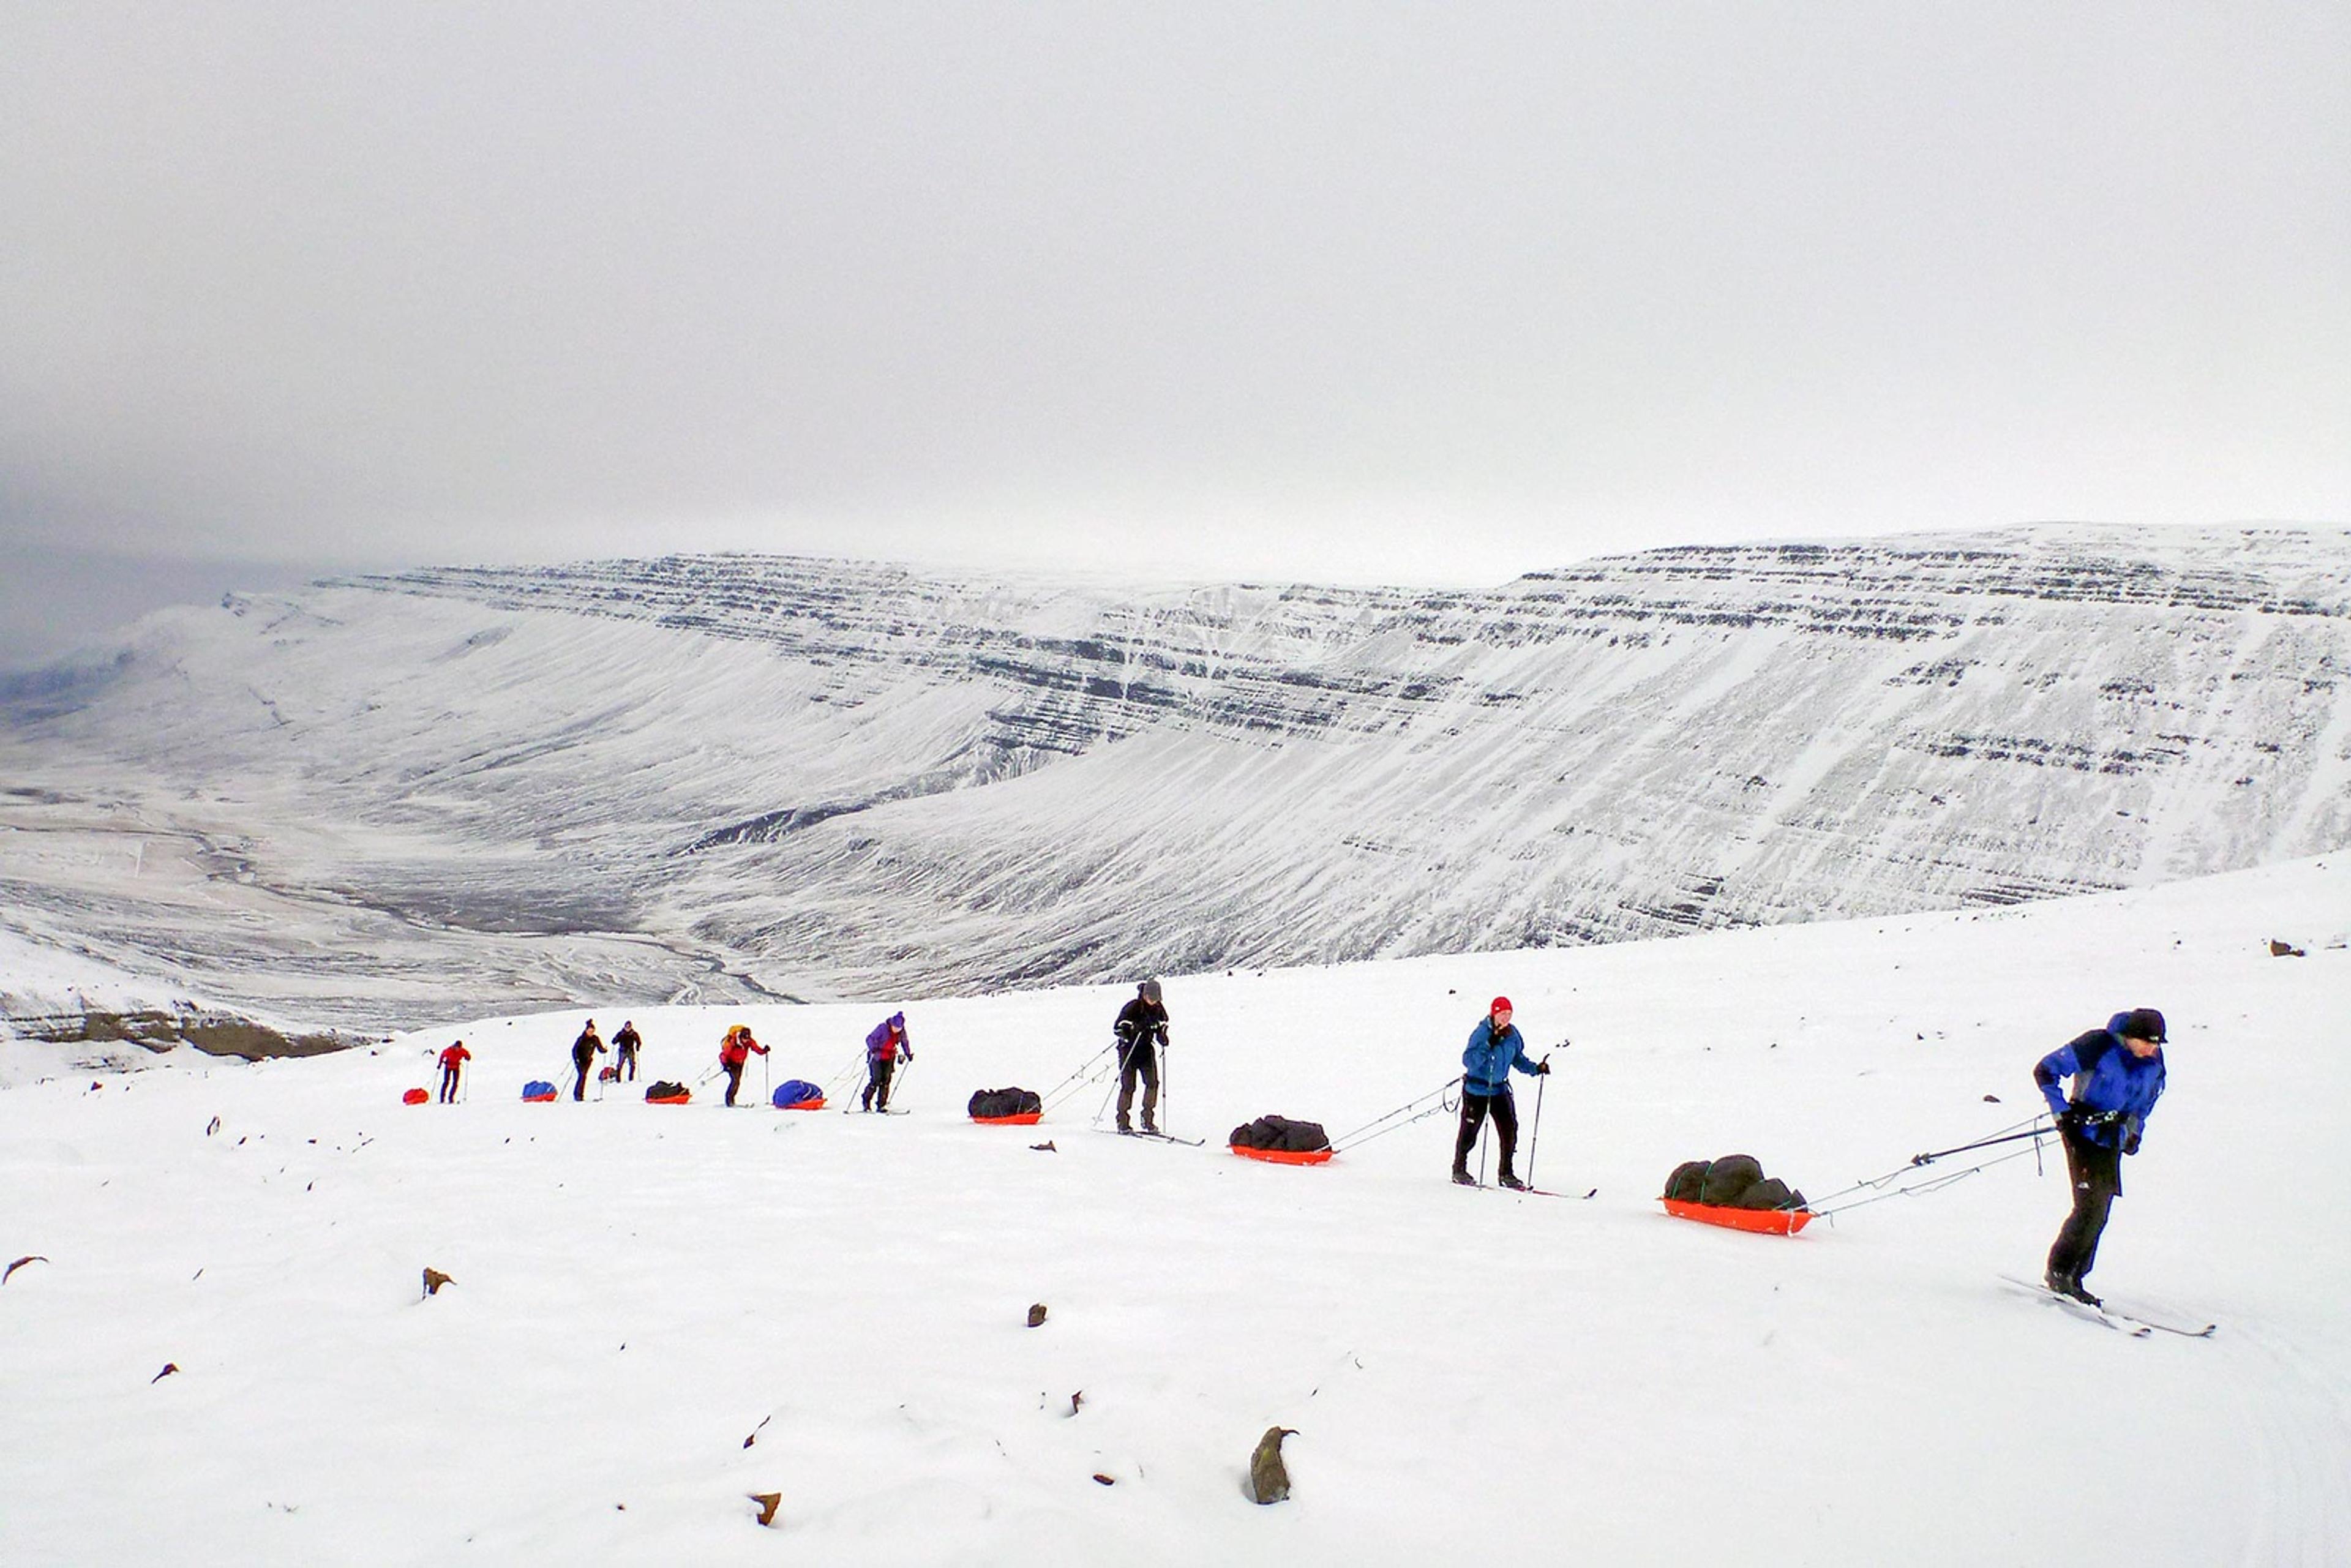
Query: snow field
x=638, y=1289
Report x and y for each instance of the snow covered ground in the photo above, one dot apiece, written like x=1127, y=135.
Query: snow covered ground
x=1473, y=1375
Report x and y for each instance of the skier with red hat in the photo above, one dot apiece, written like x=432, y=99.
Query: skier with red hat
x=1495, y=1048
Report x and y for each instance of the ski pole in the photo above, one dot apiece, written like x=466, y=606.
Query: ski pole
x=1534, y=1136
x=1163, y=1097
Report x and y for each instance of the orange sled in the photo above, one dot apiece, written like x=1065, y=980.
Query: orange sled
x=1761, y=1221
x=1283, y=1157
x=1025, y=1119
x=815, y=1104
x=669, y=1100
x=414, y=1097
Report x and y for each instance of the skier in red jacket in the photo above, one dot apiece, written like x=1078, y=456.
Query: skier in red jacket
x=453, y=1065
x=734, y=1052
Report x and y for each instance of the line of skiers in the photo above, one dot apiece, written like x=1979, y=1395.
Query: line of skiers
x=2116, y=1072
x=885, y=1047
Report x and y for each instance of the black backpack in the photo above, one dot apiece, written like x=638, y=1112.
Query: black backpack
x=1727, y=1178
x=988, y=1105
x=1688, y=1181
x=1281, y=1133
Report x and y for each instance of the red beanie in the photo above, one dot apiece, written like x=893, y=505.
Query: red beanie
x=1501, y=1005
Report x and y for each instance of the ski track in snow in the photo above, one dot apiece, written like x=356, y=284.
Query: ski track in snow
x=639, y=1289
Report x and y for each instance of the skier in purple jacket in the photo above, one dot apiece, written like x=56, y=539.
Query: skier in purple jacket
x=884, y=1048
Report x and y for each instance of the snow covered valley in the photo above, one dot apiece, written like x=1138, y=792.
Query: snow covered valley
x=657, y=1311
x=417, y=799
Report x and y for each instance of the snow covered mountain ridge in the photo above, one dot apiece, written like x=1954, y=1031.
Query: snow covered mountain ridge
x=425, y=795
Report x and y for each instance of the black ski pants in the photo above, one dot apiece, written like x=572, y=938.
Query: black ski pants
x=579, y=1090
x=1475, y=1109
x=1138, y=1060
x=734, y=1077
x=2097, y=1177
x=879, y=1071
x=448, y=1086
x=624, y=1065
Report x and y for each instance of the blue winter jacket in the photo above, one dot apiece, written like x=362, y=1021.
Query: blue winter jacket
x=1487, y=1064
x=2110, y=1083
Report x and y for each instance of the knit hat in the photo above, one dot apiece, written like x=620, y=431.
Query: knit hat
x=2142, y=1023
x=1148, y=990
x=1500, y=1004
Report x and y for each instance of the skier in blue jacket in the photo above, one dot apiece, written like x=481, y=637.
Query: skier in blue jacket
x=2118, y=1073
x=1495, y=1048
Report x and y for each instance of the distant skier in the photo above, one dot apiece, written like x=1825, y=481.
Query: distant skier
x=2118, y=1073
x=584, y=1052
x=624, y=1051
x=1142, y=1034
x=453, y=1066
x=1495, y=1048
x=733, y=1052
x=884, y=1048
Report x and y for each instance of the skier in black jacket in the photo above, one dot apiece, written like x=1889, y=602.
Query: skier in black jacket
x=624, y=1052
x=1141, y=1031
x=584, y=1052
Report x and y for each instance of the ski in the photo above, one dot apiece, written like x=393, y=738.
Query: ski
x=2160, y=1326
x=1529, y=1191
x=1159, y=1137
x=2079, y=1309
x=2114, y=1318
x=862, y=1111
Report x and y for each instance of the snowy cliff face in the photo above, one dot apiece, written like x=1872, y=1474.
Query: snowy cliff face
x=708, y=777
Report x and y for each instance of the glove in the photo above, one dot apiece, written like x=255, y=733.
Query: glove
x=2130, y=1142
x=2070, y=1119
x=1542, y=1070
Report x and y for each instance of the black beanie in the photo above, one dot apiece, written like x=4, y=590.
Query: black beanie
x=2144, y=1023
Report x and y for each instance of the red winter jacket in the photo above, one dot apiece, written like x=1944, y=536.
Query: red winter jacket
x=453, y=1055
x=737, y=1051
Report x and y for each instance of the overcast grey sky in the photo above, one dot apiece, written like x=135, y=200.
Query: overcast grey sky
x=1422, y=294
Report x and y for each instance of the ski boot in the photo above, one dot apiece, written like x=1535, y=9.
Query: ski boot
x=2068, y=1285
